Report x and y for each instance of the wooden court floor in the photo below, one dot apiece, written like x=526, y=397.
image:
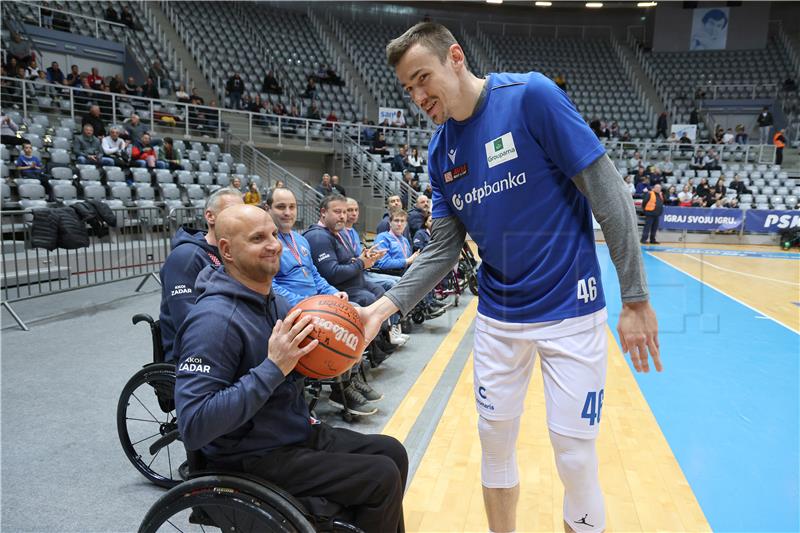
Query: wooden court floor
x=644, y=486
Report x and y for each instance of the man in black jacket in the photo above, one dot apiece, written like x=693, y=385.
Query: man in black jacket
x=765, y=122
x=235, y=89
x=652, y=205
x=416, y=217
x=246, y=411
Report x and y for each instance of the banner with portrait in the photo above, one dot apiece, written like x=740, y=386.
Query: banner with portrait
x=710, y=28
x=690, y=130
x=391, y=116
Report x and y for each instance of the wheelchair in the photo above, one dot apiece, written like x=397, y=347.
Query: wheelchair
x=235, y=501
x=146, y=421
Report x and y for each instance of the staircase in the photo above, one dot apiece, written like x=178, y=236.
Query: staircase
x=190, y=74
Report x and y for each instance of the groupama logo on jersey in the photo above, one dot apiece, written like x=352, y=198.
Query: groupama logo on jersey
x=500, y=150
x=479, y=194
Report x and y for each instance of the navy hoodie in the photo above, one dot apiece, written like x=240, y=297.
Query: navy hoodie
x=190, y=254
x=233, y=402
x=334, y=259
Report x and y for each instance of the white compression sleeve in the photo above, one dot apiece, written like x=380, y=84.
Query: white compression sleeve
x=576, y=460
x=499, y=452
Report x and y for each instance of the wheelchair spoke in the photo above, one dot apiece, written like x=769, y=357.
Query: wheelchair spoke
x=154, y=458
x=176, y=527
x=144, y=439
x=142, y=420
x=169, y=462
x=145, y=407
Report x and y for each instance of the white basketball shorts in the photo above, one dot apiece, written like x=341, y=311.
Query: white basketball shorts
x=574, y=357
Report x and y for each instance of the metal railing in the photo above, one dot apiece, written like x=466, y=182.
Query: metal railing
x=551, y=30
x=654, y=150
x=732, y=90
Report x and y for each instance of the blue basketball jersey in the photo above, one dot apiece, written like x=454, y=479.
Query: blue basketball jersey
x=506, y=172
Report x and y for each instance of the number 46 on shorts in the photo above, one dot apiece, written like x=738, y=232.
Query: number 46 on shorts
x=593, y=406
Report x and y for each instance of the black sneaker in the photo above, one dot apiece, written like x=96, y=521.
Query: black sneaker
x=356, y=403
x=436, y=304
x=376, y=356
x=433, y=313
x=370, y=394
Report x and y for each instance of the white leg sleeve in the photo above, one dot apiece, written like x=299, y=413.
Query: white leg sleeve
x=576, y=460
x=499, y=452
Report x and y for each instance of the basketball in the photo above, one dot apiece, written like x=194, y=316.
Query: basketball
x=340, y=333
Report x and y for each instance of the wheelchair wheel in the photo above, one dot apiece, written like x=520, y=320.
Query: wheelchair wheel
x=147, y=426
x=225, y=502
x=473, y=283
x=417, y=316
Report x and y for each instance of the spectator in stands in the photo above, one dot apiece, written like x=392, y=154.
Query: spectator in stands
x=654, y=173
x=415, y=162
x=718, y=202
x=719, y=187
x=652, y=207
x=234, y=88
x=134, y=128
x=703, y=192
x=711, y=160
x=325, y=188
x=20, y=49
x=399, y=120
x=379, y=145
x=236, y=185
x=694, y=116
x=247, y=102
x=661, y=125
x=739, y=186
x=115, y=148
x=641, y=174
x=667, y=167
x=626, y=136
x=117, y=84
x=159, y=75
x=642, y=187
x=416, y=217
x=252, y=196
x=145, y=155
x=764, y=122
x=192, y=250
x=131, y=87
x=94, y=118
x=335, y=185
x=332, y=117
x=635, y=161
x=32, y=70
x=127, y=18
x=311, y=89
x=8, y=132
x=728, y=137
x=149, y=89
x=55, y=74
x=741, y=134
x=629, y=184
x=181, y=95
x=399, y=161
x=74, y=77
x=673, y=138
x=685, y=196
x=270, y=84
x=30, y=166
x=698, y=162
x=614, y=130
x=367, y=132
x=47, y=15
x=312, y=113
x=672, y=196
x=41, y=87
x=428, y=191
x=561, y=82
x=423, y=235
x=169, y=154
x=95, y=79
x=88, y=150
x=111, y=14
x=779, y=140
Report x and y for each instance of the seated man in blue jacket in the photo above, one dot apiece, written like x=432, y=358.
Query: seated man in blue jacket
x=337, y=262
x=399, y=255
x=240, y=402
x=192, y=251
x=297, y=279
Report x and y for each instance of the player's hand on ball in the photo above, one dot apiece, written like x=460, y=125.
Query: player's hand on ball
x=284, y=349
x=638, y=333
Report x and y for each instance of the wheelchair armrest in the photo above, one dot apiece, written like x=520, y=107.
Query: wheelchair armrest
x=143, y=317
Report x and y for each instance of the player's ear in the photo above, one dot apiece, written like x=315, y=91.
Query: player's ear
x=456, y=55
x=224, y=247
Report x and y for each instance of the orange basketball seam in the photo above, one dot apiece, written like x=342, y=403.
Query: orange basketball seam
x=337, y=316
x=316, y=371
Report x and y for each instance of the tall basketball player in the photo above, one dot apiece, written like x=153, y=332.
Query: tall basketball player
x=515, y=165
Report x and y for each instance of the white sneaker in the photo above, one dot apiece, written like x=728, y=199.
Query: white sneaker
x=396, y=337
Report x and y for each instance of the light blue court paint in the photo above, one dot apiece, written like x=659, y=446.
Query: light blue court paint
x=729, y=253
x=727, y=401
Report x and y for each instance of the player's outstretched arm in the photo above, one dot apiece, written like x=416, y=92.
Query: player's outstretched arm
x=612, y=207
x=439, y=257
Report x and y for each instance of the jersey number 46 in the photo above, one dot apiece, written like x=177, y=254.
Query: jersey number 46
x=593, y=406
x=587, y=290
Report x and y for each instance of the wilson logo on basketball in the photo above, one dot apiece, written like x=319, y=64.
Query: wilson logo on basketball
x=341, y=334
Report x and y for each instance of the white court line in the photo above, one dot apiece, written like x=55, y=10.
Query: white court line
x=790, y=328
x=741, y=273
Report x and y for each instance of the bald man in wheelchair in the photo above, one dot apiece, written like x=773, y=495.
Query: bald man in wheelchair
x=240, y=401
